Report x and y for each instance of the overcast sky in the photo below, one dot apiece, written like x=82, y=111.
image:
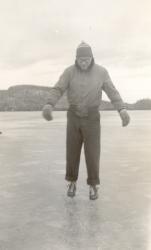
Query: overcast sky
x=38, y=40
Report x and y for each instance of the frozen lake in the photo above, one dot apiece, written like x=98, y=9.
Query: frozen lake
x=35, y=213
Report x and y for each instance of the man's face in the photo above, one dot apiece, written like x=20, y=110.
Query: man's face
x=84, y=62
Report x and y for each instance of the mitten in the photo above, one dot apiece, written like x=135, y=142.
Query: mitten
x=124, y=117
x=47, y=112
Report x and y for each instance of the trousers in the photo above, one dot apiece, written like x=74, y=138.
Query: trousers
x=83, y=130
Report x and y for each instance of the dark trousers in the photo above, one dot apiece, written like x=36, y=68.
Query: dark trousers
x=83, y=130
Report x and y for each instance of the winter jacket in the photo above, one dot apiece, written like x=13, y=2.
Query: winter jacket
x=84, y=88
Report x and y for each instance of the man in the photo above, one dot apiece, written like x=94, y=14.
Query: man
x=84, y=82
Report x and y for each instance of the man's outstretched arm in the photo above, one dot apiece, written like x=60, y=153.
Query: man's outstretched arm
x=55, y=94
x=116, y=99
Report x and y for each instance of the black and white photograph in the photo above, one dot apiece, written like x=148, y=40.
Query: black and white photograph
x=75, y=125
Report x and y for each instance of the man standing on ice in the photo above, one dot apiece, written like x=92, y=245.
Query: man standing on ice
x=84, y=82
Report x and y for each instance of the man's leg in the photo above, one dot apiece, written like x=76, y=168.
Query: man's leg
x=73, y=147
x=91, y=132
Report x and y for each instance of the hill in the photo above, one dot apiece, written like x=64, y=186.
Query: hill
x=33, y=98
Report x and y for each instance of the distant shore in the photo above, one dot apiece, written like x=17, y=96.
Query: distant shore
x=33, y=98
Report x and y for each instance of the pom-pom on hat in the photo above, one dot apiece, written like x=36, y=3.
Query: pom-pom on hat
x=84, y=50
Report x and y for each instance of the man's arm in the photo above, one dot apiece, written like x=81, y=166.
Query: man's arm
x=55, y=94
x=59, y=88
x=115, y=98
x=112, y=92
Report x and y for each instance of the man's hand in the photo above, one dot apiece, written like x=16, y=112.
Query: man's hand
x=124, y=117
x=47, y=112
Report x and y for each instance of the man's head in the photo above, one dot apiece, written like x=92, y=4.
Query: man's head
x=84, y=56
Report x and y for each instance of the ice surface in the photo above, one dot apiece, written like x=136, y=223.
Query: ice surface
x=35, y=213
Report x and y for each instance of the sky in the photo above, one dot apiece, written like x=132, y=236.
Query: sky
x=39, y=39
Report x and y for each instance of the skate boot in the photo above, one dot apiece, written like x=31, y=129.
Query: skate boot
x=71, y=189
x=93, y=192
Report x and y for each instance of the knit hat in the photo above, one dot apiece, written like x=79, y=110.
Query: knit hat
x=84, y=50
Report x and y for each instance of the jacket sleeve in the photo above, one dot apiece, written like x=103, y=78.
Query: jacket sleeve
x=112, y=92
x=59, y=88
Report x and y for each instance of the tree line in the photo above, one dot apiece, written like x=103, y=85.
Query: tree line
x=33, y=98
